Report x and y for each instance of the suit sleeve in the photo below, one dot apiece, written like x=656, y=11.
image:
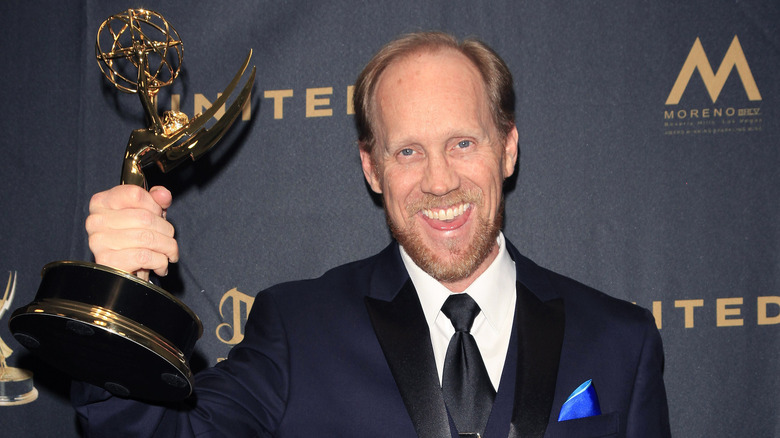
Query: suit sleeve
x=648, y=413
x=244, y=395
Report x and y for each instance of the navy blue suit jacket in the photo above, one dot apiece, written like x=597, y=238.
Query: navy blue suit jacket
x=349, y=355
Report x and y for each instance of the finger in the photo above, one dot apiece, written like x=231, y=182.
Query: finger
x=134, y=239
x=123, y=197
x=135, y=261
x=128, y=219
x=143, y=274
x=161, y=196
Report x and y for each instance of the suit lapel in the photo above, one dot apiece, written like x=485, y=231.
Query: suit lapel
x=539, y=328
x=403, y=334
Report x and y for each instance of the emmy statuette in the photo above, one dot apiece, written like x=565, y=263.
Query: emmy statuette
x=106, y=326
x=16, y=384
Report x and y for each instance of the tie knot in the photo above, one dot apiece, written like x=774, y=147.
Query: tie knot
x=461, y=309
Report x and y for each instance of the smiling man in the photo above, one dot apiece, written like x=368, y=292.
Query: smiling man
x=440, y=161
x=448, y=332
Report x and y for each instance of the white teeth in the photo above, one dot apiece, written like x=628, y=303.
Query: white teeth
x=445, y=214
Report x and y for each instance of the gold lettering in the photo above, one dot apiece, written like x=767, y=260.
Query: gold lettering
x=313, y=102
x=202, y=103
x=714, y=82
x=763, y=318
x=278, y=97
x=236, y=298
x=246, y=111
x=351, y=99
x=723, y=312
x=657, y=313
x=689, y=305
x=175, y=102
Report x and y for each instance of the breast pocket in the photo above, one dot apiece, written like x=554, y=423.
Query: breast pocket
x=605, y=425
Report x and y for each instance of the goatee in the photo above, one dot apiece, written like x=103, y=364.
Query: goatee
x=459, y=261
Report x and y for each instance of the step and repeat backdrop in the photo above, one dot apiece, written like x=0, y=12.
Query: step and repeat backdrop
x=650, y=146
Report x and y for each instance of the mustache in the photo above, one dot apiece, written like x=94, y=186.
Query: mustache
x=429, y=201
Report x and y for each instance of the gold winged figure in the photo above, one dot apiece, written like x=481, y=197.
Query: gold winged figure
x=5, y=304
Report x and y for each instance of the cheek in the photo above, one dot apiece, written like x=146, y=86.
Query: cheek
x=398, y=182
x=485, y=174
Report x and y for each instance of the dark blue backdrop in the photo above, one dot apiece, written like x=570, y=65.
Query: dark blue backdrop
x=674, y=207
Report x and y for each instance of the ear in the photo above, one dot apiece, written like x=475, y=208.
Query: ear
x=370, y=170
x=510, y=152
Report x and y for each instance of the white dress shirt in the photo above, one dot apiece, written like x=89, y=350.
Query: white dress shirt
x=494, y=292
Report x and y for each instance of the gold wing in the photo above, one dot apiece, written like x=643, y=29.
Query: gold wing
x=5, y=304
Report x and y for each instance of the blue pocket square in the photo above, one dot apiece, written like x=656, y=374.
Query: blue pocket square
x=583, y=402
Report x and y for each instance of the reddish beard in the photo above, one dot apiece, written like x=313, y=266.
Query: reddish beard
x=459, y=261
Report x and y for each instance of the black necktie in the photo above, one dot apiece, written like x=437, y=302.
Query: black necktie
x=468, y=392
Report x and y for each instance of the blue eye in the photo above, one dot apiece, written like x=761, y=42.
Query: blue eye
x=406, y=152
x=464, y=144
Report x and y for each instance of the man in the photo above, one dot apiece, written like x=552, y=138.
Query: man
x=371, y=349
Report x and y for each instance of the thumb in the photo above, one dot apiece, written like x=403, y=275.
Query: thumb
x=161, y=196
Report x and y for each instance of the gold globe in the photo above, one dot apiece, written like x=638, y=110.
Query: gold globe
x=138, y=50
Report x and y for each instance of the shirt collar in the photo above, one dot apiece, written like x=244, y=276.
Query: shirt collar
x=493, y=290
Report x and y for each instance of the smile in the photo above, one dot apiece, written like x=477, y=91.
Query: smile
x=445, y=214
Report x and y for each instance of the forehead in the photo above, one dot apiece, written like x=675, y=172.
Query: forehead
x=431, y=87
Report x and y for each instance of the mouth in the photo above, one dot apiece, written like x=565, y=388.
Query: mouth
x=446, y=214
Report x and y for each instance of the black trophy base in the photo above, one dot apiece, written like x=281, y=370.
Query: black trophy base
x=111, y=329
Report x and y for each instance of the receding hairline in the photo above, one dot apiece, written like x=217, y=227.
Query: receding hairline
x=487, y=63
x=410, y=59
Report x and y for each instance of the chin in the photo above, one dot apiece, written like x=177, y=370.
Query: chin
x=453, y=261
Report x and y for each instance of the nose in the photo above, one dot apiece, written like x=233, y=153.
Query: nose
x=440, y=176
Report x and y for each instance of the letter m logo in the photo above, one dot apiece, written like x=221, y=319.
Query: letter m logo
x=697, y=59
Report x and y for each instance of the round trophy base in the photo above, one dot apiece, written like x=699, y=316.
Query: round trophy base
x=111, y=329
x=16, y=387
